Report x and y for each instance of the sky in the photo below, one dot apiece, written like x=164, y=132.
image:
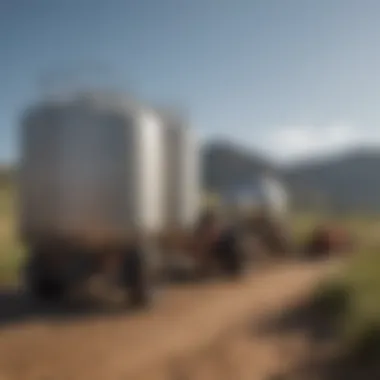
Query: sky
x=289, y=78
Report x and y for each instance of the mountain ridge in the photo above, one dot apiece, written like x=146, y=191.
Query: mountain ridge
x=344, y=181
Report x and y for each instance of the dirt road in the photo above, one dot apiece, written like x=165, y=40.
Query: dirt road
x=191, y=328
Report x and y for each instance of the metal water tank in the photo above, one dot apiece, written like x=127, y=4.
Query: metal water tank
x=90, y=163
x=183, y=196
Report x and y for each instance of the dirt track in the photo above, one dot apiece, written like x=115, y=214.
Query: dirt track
x=191, y=328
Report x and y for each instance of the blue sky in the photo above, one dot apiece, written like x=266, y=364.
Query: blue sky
x=288, y=77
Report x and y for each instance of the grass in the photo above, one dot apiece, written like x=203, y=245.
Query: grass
x=362, y=281
x=352, y=301
x=11, y=250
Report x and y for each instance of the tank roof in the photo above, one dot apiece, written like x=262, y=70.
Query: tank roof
x=173, y=117
x=100, y=99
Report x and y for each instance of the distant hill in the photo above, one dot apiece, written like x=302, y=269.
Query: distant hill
x=226, y=164
x=348, y=182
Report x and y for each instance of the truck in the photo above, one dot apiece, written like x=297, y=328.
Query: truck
x=106, y=183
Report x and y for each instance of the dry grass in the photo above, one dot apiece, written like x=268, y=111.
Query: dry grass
x=11, y=251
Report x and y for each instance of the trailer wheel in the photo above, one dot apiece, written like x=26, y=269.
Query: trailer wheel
x=229, y=254
x=139, y=277
x=38, y=282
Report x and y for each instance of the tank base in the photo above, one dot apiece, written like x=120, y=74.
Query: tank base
x=123, y=276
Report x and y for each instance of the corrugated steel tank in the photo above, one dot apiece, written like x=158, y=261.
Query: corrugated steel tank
x=92, y=163
x=100, y=163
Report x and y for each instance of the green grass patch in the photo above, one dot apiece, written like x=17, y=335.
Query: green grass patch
x=11, y=250
x=352, y=302
x=332, y=298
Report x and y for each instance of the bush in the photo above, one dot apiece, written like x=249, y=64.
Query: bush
x=352, y=302
x=332, y=299
x=11, y=251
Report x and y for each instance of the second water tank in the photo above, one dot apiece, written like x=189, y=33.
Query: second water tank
x=183, y=171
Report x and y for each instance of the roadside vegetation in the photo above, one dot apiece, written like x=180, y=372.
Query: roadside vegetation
x=354, y=293
x=351, y=302
x=11, y=251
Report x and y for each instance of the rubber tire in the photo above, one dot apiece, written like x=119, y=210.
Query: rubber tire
x=38, y=284
x=228, y=254
x=138, y=277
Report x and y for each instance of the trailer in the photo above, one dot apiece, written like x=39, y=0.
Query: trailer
x=102, y=180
